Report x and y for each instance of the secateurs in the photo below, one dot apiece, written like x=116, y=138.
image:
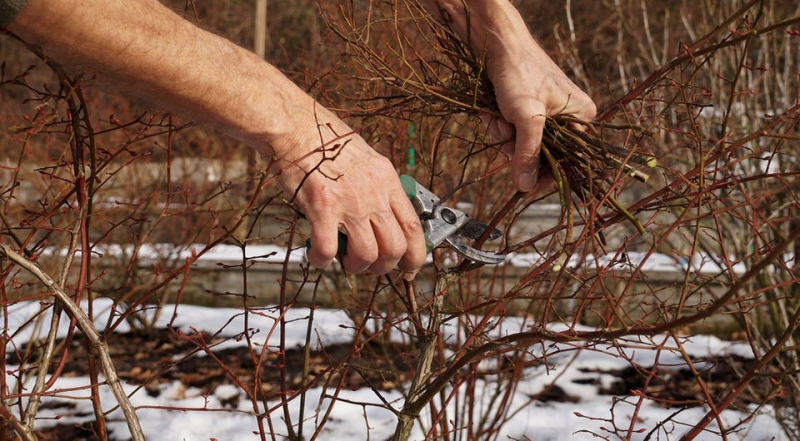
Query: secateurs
x=445, y=224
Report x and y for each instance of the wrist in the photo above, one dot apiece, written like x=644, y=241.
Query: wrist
x=495, y=28
x=304, y=137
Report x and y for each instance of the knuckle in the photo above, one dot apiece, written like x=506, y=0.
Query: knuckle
x=415, y=256
x=412, y=227
x=318, y=260
x=359, y=259
x=320, y=255
x=380, y=269
x=384, y=162
x=369, y=255
x=389, y=258
x=412, y=261
x=395, y=250
x=525, y=156
x=590, y=110
x=328, y=251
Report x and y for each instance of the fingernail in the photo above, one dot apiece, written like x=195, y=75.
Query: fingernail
x=408, y=276
x=526, y=181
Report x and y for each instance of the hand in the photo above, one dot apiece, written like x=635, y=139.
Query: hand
x=352, y=187
x=530, y=87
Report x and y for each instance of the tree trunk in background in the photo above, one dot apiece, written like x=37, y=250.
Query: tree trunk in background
x=260, y=40
x=260, y=45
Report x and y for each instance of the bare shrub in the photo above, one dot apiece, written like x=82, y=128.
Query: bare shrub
x=103, y=208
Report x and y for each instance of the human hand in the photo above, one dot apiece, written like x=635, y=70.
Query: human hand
x=347, y=185
x=529, y=87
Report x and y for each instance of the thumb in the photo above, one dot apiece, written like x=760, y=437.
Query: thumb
x=527, y=148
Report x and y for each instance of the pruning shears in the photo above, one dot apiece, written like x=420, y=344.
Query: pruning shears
x=441, y=223
x=446, y=224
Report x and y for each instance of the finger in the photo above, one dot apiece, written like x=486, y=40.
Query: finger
x=391, y=243
x=416, y=251
x=506, y=132
x=362, y=248
x=324, y=243
x=583, y=109
x=546, y=183
x=525, y=162
x=587, y=111
x=501, y=132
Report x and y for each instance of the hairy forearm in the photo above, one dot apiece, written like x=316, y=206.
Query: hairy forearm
x=147, y=51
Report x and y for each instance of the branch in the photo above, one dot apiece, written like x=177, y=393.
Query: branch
x=87, y=327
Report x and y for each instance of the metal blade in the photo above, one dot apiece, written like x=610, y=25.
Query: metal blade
x=474, y=229
x=478, y=256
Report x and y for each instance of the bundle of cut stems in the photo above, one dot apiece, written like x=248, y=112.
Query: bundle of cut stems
x=585, y=165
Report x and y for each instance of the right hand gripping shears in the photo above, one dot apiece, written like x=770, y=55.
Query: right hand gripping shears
x=441, y=223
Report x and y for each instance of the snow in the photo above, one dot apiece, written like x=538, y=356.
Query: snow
x=226, y=392
x=646, y=262
x=225, y=322
x=226, y=413
x=218, y=253
x=265, y=253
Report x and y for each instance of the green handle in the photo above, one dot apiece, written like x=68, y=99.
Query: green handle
x=409, y=186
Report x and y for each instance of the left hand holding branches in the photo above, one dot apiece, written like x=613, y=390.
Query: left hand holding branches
x=528, y=84
x=529, y=88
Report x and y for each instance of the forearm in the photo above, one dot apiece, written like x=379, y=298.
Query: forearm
x=144, y=49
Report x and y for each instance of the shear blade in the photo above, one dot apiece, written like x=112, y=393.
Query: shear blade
x=473, y=254
x=474, y=229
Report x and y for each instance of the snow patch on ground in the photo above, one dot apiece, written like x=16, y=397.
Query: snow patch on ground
x=228, y=414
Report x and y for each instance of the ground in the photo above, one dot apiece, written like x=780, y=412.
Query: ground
x=164, y=356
